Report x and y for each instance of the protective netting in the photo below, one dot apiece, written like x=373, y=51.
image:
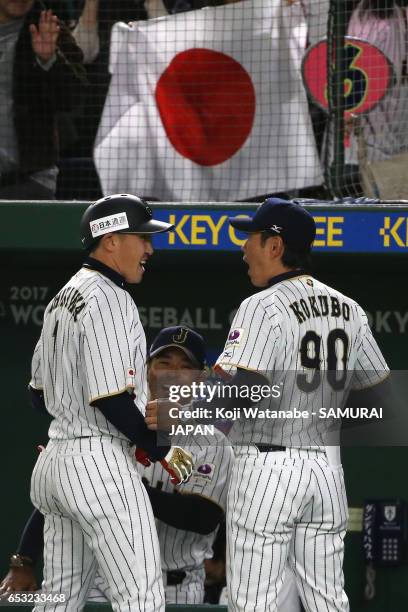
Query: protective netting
x=180, y=101
x=367, y=129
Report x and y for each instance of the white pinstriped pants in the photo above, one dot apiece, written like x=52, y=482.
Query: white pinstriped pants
x=285, y=509
x=190, y=591
x=97, y=513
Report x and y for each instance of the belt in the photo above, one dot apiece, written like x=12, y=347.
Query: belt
x=269, y=448
x=175, y=577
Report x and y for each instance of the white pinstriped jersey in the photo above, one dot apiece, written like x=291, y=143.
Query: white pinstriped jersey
x=300, y=326
x=92, y=345
x=212, y=468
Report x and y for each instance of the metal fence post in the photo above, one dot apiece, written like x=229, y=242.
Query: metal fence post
x=336, y=69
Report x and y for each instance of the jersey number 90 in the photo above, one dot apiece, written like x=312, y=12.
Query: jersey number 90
x=337, y=343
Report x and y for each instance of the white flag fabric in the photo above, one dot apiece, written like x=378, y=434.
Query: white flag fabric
x=208, y=105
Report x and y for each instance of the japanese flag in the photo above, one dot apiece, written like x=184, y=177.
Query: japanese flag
x=208, y=105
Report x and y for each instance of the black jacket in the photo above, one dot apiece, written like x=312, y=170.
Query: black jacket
x=38, y=95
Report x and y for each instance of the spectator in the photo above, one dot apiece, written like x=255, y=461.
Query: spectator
x=384, y=129
x=41, y=74
x=92, y=34
x=86, y=31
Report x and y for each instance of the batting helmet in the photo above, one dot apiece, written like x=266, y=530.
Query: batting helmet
x=122, y=213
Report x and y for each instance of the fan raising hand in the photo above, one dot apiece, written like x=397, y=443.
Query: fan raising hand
x=44, y=36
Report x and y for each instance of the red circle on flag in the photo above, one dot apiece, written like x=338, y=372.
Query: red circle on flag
x=206, y=102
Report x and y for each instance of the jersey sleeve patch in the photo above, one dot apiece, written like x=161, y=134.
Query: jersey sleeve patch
x=130, y=377
x=204, y=472
x=235, y=337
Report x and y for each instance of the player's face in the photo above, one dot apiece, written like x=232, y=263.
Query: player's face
x=170, y=367
x=14, y=9
x=255, y=255
x=133, y=252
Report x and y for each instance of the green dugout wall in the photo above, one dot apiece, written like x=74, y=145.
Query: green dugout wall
x=197, y=278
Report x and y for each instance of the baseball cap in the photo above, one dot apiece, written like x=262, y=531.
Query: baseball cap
x=183, y=338
x=123, y=213
x=287, y=219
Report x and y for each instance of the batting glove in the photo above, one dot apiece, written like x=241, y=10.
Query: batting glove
x=179, y=464
x=142, y=457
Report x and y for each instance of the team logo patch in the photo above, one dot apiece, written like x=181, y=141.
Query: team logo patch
x=205, y=471
x=309, y=282
x=235, y=337
x=111, y=223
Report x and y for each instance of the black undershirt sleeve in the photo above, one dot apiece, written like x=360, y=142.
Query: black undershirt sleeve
x=185, y=510
x=375, y=396
x=32, y=539
x=182, y=511
x=121, y=411
x=37, y=399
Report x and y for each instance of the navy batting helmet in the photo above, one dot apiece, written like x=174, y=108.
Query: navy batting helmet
x=123, y=213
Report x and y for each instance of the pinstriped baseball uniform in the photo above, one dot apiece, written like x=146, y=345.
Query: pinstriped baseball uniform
x=86, y=483
x=185, y=550
x=292, y=504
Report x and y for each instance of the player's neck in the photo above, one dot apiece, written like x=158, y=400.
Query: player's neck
x=107, y=260
x=96, y=263
x=285, y=274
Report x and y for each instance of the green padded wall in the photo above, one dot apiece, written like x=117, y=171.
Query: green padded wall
x=200, y=289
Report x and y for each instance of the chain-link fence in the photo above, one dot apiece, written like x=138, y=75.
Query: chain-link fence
x=179, y=101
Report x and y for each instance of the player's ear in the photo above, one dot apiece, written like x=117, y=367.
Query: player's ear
x=109, y=242
x=275, y=246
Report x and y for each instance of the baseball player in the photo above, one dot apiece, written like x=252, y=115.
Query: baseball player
x=89, y=371
x=287, y=499
x=186, y=523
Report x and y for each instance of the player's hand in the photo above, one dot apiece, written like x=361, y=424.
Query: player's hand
x=179, y=464
x=44, y=37
x=19, y=579
x=142, y=457
x=158, y=415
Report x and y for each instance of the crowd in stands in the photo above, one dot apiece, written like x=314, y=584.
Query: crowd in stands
x=54, y=79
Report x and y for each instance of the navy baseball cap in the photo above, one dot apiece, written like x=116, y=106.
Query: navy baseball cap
x=287, y=219
x=183, y=338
